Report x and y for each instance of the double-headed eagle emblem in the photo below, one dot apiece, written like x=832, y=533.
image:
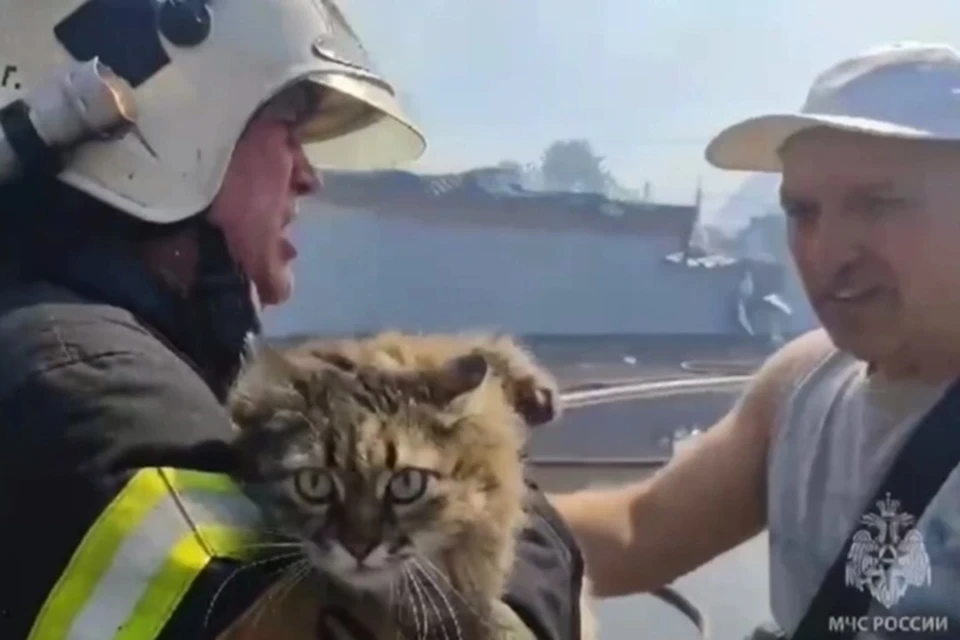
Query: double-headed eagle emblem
x=890, y=561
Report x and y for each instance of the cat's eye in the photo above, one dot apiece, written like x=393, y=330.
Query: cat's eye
x=314, y=485
x=407, y=486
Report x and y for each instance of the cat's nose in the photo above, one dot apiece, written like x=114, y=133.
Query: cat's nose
x=359, y=548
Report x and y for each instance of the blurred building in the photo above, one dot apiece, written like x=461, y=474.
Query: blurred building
x=477, y=250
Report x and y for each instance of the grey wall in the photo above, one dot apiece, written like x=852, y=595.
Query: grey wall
x=358, y=271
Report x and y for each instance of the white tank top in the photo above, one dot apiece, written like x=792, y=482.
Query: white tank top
x=836, y=435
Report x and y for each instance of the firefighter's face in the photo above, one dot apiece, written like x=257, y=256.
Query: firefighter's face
x=258, y=199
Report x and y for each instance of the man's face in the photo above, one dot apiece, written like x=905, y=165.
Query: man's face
x=257, y=201
x=874, y=229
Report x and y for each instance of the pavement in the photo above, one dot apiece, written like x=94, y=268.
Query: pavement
x=732, y=591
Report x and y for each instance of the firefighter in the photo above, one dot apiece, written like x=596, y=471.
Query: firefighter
x=151, y=155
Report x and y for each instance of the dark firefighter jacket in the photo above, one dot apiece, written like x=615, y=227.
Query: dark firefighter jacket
x=116, y=517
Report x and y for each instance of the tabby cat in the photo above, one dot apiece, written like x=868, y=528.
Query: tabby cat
x=393, y=466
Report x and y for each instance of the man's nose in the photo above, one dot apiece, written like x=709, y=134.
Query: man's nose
x=305, y=179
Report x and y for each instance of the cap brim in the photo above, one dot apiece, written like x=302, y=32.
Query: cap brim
x=754, y=144
x=359, y=126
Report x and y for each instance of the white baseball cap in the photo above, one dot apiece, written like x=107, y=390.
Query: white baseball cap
x=905, y=90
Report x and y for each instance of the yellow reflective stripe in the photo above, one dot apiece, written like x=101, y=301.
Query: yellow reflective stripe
x=187, y=559
x=143, y=537
x=92, y=558
x=190, y=480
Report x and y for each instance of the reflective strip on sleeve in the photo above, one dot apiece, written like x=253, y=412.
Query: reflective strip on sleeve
x=137, y=561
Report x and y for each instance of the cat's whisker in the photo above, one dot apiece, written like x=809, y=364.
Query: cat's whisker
x=431, y=571
x=399, y=593
x=419, y=612
x=424, y=597
x=390, y=598
x=397, y=590
x=446, y=605
x=397, y=584
x=293, y=575
x=235, y=572
x=297, y=573
x=391, y=591
x=443, y=596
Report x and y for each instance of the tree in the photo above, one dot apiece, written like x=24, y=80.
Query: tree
x=571, y=165
x=525, y=175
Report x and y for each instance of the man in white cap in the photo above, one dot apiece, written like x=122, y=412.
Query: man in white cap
x=152, y=152
x=871, y=189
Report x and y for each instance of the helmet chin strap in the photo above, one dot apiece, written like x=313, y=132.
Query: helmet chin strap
x=224, y=298
x=255, y=300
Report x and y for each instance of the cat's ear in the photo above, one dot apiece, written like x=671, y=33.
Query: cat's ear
x=457, y=378
x=331, y=353
x=530, y=388
x=535, y=399
x=266, y=367
x=273, y=363
x=265, y=380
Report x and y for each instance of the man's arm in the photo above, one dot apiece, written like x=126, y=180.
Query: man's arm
x=708, y=499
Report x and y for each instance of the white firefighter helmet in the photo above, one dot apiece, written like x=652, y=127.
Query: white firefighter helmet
x=200, y=69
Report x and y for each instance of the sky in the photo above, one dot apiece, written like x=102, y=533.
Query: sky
x=647, y=82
